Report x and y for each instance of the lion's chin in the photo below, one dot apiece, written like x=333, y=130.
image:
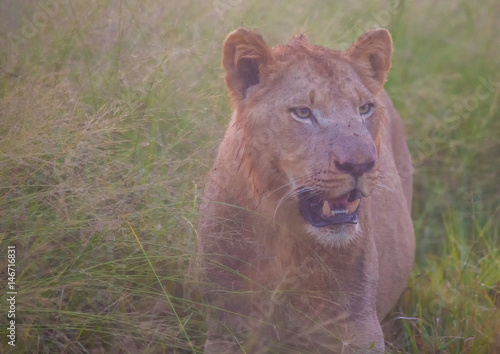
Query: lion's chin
x=336, y=235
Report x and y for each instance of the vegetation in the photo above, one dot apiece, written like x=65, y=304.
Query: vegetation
x=110, y=115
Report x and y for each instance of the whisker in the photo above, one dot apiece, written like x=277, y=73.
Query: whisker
x=289, y=183
x=385, y=187
x=287, y=195
x=294, y=191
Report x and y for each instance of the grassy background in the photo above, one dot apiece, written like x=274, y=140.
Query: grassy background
x=110, y=114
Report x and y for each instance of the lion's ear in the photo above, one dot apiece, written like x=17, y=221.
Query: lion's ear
x=371, y=57
x=245, y=56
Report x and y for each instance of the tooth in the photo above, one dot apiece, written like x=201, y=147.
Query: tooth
x=352, y=206
x=336, y=212
x=326, y=208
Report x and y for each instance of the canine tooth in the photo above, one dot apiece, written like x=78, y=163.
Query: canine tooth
x=326, y=208
x=352, y=206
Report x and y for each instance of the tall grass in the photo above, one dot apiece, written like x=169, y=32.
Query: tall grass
x=110, y=113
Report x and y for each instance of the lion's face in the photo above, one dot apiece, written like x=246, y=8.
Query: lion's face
x=310, y=119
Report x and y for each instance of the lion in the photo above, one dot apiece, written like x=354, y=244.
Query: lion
x=305, y=234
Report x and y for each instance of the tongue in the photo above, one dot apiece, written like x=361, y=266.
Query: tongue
x=340, y=205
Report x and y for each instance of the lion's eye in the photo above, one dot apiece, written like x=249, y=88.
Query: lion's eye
x=302, y=114
x=366, y=110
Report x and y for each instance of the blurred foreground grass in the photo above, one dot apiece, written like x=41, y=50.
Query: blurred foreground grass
x=110, y=114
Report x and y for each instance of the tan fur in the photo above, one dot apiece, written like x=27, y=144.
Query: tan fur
x=274, y=281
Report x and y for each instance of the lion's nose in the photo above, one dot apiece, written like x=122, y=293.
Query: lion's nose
x=355, y=169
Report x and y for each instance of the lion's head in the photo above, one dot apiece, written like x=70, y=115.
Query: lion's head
x=310, y=119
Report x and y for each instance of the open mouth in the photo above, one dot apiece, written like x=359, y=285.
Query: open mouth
x=322, y=212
